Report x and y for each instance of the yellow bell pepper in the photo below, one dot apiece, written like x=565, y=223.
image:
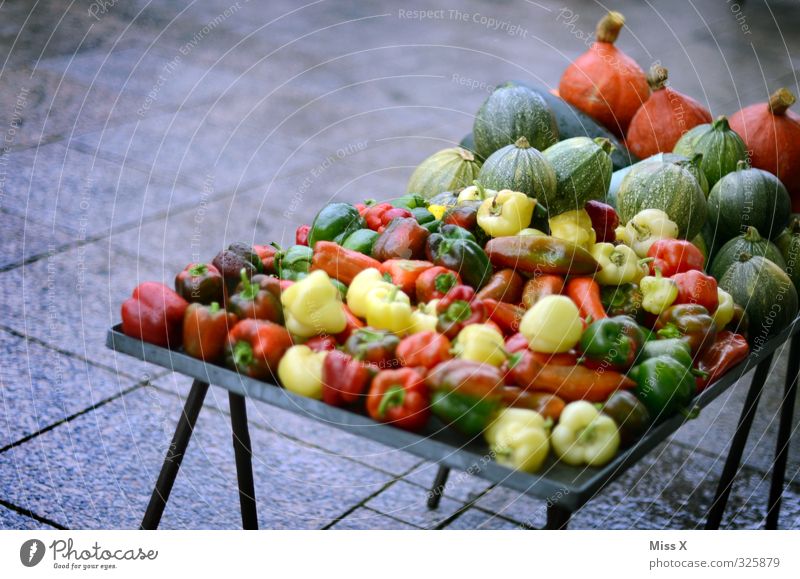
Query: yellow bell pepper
x=518, y=438
x=621, y=235
x=422, y=322
x=389, y=308
x=507, y=213
x=658, y=293
x=584, y=435
x=619, y=264
x=476, y=192
x=647, y=227
x=724, y=312
x=437, y=210
x=300, y=371
x=531, y=231
x=481, y=343
x=553, y=325
x=574, y=226
x=361, y=285
x=313, y=306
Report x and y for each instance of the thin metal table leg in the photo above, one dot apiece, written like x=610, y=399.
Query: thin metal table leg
x=244, y=460
x=557, y=518
x=734, y=459
x=172, y=462
x=437, y=490
x=784, y=434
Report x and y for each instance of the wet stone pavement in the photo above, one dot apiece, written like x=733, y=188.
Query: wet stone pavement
x=147, y=135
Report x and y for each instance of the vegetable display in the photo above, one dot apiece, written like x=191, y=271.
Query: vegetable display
x=536, y=304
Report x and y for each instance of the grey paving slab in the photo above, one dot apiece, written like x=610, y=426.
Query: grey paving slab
x=23, y=239
x=326, y=439
x=88, y=196
x=363, y=519
x=407, y=502
x=12, y=520
x=476, y=519
x=97, y=471
x=69, y=300
x=461, y=485
x=41, y=387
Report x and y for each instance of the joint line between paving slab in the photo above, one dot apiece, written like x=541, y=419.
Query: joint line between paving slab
x=31, y=515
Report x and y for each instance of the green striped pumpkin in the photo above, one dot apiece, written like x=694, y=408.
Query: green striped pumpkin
x=519, y=167
x=722, y=148
x=446, y=170
x=583, y=171
x=749, y=242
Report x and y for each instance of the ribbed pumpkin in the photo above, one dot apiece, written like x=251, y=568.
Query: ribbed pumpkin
x=664, y=118
x=604, y=82
x=748, y=197
x=583, y=172
x=750, y=242
x=721, y=148
x=771, y=133
x=447, y=170
x=468, y=143
x=693, y=166
x=510, y=112
x=670, y=187
x=788, y=243
x=765, y=292
x=519, y=167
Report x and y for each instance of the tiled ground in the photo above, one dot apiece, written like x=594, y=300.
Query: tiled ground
x=136, y=140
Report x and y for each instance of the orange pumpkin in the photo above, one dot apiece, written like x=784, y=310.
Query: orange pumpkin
x=664, y=118
x=771, y=133
x=604, y=82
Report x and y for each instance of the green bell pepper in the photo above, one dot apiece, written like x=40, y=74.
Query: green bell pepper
x=671, y=348
x=612, y=342
x=422, y=215
x=335, y=222
x=468, y=414
x=460, y=255
x=411, y=201
x=294, y=263
x=664, y=385
x=622, y=300
x=361, y=240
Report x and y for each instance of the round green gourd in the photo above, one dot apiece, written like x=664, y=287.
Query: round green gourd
x=670, y=187
x=583, y=171
x=722, y=148
x=511, y=112
x=749, y=197
x=750, y=242
x=765, y=292
x=447, y=170
x=788, y=243
x=519, y=167
x=693, y=167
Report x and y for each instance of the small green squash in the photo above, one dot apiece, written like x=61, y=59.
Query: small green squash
x=788, y=243
x=583, y=171
x=749, y=197
x=519, y=167
x=750, y=242
x=670, y=187
x=722, y=148
x=511, y=112
x=693, y=167
x=765, y=292
x=447, y=170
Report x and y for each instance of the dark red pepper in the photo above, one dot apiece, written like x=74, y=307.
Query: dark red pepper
x=301, y=235
x=344, y=379
x=604, y=220
x=727, y=351
x=321, y=343
x=200, y=282
x=459, y=308
x=434, y=283
x=376, y=347
x=403, y=238
x=259, y=298
x=154, y=313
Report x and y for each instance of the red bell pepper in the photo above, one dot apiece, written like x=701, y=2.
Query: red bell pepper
x=205, y=331
x=321, y=343
x=726, y=352
x=255, y=347
x=380, y=215
x=695, y=287
x=200, y=282
x=424, y=349
x=301, y=235
x=504, y=286
x=585, y=292
x=548, y=405
x=604, y=220
x=673, y=256
x=399, y=397
x=154, y=313
x=402, y=238
x=688, y=322
x=506, y=316
x=405, y=272
x=459, y=308
x=434, y=283
x=344, y=379
x=340, y=263
x=267, y=255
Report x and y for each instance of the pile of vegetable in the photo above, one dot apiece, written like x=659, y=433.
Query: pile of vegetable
x=537, y=288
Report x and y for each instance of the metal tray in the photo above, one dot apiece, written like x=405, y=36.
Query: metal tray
x=558, y=484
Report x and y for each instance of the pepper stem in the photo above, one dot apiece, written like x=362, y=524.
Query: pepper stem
x=214, y=307
x=242, y=354
x=198, y=269
x=609, y=27
x=249, y=289
x=394, y=396
x=780, y=101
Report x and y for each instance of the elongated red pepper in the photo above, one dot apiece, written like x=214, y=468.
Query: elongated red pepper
x=399, y=397
x=728, y=350
x=506, y=316
x=695, y=287
x=340, y=263
x=205, y=330
x=154, y=313
x=516, y=343
x=585, y=292
x=504, y=286
x=541, y=286
x=344, y=379
x=405, y=273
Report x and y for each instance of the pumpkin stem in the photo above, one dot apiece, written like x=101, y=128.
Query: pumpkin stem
x=745, y=256
x=657, y=78
x=794, y=225
x=696, y=160
x=780, y=101
x=465, y=154
x=522, y=143
x=721, y=124
x=605, y=144
x=609, y=27
x=751, y=234
x=742, y=164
